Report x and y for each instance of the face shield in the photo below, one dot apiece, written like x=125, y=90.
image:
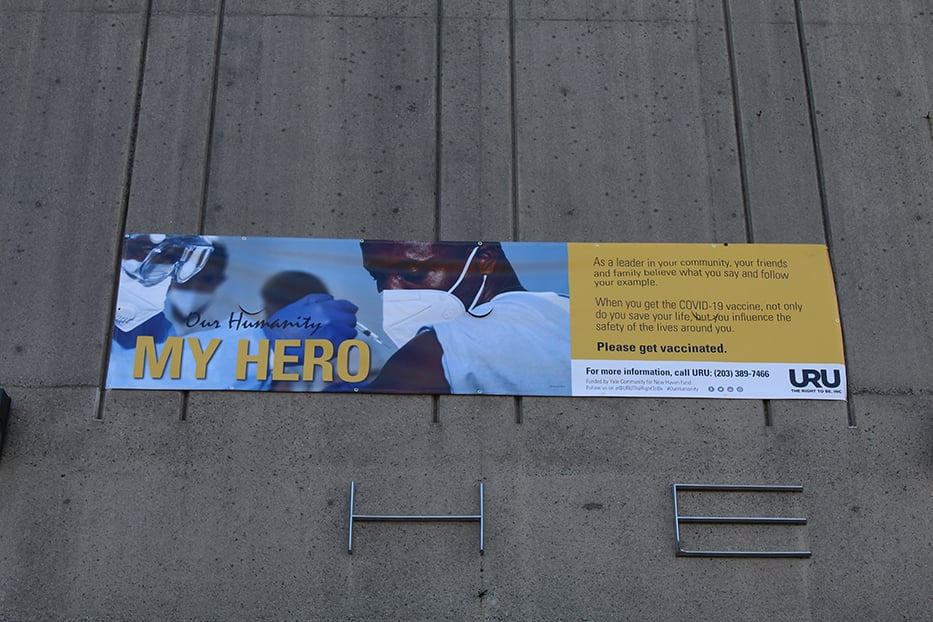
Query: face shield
x=151, y=259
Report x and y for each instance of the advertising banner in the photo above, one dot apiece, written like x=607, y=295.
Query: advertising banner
x=511, y=318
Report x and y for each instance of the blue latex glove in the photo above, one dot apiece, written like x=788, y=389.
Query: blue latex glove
x=316, y=316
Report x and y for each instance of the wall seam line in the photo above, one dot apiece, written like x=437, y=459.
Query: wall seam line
x=740, y=148
x=208, y=149
x=820, y=174
x=513, y=121
x=438, y=118
x=124, y=207
x=738, y=119
x=211, y=118
x=513, y=173
x=438, y=150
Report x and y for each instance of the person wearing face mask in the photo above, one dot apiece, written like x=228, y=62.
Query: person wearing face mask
x=186, y=303
x=150, y=265
x=464, y=323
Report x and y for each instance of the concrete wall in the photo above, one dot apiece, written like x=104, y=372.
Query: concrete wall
x=566, y=120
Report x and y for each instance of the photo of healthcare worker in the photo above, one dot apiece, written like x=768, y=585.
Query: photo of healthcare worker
x=465, y=323
x=188, y=303
x=254, y=338
x=295, y=314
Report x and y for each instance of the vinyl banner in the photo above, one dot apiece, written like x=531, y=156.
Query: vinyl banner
x=511, y=318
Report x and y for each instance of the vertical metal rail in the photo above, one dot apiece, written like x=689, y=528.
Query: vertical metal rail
x=350, y=538
x=746, y=520
x=482, y=518
x=447, y=518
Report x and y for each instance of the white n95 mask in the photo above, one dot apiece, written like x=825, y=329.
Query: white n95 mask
x=137, y=303
x=406, y=311
x=188, y=301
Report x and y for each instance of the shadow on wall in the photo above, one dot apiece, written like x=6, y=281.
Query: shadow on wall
x=4, y=418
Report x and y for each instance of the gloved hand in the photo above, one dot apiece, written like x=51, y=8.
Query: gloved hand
x=137, y=303
x=316, y=316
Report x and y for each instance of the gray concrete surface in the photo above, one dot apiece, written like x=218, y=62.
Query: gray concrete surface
x=175, y=109
x=698, y=120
